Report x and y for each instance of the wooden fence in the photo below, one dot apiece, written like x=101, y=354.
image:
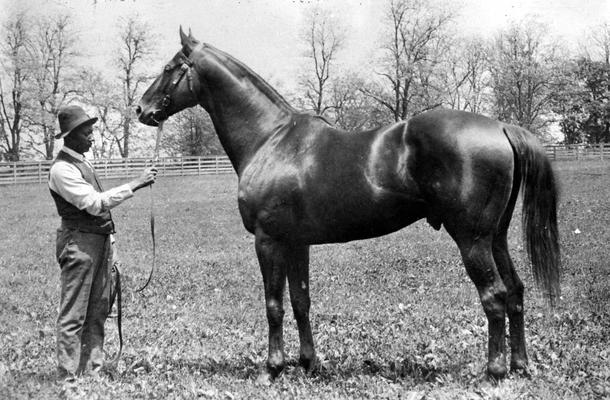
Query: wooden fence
x=38, y=171
x=579, y=152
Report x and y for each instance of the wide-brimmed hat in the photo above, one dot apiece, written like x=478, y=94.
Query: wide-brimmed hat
x=70, y=118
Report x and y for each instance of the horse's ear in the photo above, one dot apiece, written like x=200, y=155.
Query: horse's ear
x=188, y=42
x=183, y=38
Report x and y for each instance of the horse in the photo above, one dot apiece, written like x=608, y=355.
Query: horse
x=303, y=182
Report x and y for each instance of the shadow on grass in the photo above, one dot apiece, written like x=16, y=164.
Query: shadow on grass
x=239, y=368
x=408, y=369
x=244, y=368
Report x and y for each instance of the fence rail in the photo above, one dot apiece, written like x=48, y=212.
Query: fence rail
x=599, y=151
x=38, y=171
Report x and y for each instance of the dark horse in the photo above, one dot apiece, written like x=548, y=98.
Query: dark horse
x=303, y=182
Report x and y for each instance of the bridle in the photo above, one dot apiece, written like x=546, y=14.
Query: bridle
x=185, y=64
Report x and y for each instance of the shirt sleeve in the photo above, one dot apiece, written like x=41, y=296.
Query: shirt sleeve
x=66, y=180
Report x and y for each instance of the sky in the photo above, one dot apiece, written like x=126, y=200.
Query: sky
x=264, y=33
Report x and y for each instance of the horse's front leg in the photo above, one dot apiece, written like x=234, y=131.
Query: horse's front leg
x=298, y=281
x=272, y=257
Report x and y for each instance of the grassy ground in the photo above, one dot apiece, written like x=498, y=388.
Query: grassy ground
x=393, y=317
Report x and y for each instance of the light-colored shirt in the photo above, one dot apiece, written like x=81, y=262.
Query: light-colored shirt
x=66, y=180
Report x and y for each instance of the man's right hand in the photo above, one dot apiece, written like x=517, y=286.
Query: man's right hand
x=147, y=178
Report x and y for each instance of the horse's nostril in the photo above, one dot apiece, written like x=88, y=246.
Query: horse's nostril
x=138, y=110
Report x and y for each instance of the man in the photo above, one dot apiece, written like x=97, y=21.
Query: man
x=84, y=245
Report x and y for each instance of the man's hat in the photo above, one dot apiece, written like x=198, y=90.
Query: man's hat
x=70, y=118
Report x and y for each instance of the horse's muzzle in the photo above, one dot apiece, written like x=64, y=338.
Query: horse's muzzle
x=151, y=118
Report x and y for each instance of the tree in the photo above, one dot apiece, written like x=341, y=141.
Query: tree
x=599, y=38
x=568, y=105
x=525, y=76
x=584, y=102
x=584, y=105
x=324, y=37
x=13, y=76
x=53, y=53
x=412, y=52
x=193, y=134
x=105, y=98
x=465, y=75
x=353, y=109
x=135, y=48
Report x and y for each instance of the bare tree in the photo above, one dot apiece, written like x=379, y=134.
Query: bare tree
x=192, y=134
x=525, y=74
x=600, y=40
x=53, y=51
x=105, y=98
x=324, y=36
x=136, y=46
x=13, y=77
x=415, y=42
x=465, y=74
x=353, y=110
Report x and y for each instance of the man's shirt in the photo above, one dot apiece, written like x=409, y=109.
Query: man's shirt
x=66, y=180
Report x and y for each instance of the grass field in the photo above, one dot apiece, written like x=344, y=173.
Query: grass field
x=393, y=317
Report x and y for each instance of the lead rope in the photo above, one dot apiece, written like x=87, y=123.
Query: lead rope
x=113, y=364
x=152, y=209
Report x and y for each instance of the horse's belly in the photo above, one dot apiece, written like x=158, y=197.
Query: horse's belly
x=346, y=221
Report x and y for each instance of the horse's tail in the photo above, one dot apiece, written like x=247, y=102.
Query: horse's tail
x=539, y=190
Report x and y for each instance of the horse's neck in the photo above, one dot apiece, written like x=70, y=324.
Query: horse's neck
x=245, y=110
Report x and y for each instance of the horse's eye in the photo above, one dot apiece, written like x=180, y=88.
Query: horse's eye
x=167, y=68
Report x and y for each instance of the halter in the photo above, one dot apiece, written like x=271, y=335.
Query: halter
x=185, y=69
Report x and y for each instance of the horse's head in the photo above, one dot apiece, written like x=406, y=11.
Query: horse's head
x=175, y=89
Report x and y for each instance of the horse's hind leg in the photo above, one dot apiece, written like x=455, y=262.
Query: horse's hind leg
x=273, y=258
x=479, y=262
x=514, y=303
x=298, y=281
x=514, y=288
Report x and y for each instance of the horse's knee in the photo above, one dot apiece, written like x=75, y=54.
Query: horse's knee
x=493, y=299
x=275, y=312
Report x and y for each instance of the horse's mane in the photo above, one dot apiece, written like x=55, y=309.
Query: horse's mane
x=259, y=82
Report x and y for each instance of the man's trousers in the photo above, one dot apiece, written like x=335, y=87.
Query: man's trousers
x=86, y=261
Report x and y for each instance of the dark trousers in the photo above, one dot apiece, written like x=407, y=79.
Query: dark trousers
x=86, y=261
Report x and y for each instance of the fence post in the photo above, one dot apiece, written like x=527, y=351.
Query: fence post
x=39, y=172
x=198, y=165
x=601, y=151
x=554, y=153
x=15, y=172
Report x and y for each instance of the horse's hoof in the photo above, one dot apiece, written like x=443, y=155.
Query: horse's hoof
x=274, y=370
x=310, y=365
x=496, y=371
x=520, y=368
x=264, y=379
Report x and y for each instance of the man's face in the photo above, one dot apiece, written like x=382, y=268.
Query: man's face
x=80, y=139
